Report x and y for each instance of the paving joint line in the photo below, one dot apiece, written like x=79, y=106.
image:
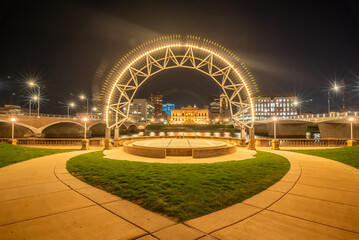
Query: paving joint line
x=48, y=215
x=42, y=194
x=263, y=209
x=98, y=204
x=27, y=185
x=323, y=200
x=327, y=188
x=304, y=219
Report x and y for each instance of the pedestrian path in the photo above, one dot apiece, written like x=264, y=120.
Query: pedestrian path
x=317, y=199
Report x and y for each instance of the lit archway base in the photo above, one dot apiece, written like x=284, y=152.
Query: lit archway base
x=233, y=82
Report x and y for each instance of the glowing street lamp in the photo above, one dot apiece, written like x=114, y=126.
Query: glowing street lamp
x=33, y=84
x=68, y=108
x=297, y=105
x=93, y=109
x=12, y=127
x=85, y=120
x=335, y=89
x=31, y=100
x=275, y=128
x=351, y=120
x=82, y=97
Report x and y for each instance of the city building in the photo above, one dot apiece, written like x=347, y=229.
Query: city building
x=214, y=104
x=219, y=112
x=141, y=110
x=280, y=106
x=156, y=101
x=167, y=108
x=189, y=115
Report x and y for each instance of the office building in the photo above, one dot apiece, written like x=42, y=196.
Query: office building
x=141, y=110
x=280, y=106
x=189, y=115
x=167, y=108
x=156, y=101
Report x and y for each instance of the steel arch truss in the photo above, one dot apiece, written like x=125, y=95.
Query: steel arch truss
x=230, y=79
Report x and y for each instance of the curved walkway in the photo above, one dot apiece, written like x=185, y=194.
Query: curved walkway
x=317, y=199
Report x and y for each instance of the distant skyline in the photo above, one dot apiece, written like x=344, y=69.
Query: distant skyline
x=291, y=47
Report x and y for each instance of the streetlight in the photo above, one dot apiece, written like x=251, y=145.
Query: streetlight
x=351, y=127
x=297, y=105
x=275, y=142
x=82, y=97
x=93, y=109
x=275, y=129
x=33, y=99
x=12, y=128
x=335, y=88
x=84, y=142
x=33, y=84
x=85, y=120
x=68, y=108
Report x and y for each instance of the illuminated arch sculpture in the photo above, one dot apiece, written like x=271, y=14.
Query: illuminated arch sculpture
x=171, y=52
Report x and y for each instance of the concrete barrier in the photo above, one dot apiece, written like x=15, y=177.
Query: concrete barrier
x=143, y=151
x=213, y=152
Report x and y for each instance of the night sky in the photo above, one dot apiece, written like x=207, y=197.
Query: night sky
x=291, y=47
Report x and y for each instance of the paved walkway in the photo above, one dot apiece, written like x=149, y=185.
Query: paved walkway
x=317, y=199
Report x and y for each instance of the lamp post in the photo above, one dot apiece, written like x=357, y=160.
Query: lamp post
x=85, y=142
x=351, y=142
x=33, y=84
x=275, y=128
x=351, y=127
x=335, y=88
x=30, y=107
x=297, y=106
x=82, y=97
x=85, y=120
x=93, y=109
x=68, y=108
x=275, y=142
x=12, y=128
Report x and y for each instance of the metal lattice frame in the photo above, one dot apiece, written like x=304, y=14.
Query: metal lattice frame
x=230, y=79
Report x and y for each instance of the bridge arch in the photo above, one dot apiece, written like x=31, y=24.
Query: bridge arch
x=132, y=128
x=34, y=131
x=172, y=52
x=63, y=128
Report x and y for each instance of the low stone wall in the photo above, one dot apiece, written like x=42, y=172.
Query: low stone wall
x=178, y=151
x=143, y=151
x=213, y=152
x=163, y=152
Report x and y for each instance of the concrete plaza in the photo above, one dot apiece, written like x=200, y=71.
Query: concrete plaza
x=317, y=199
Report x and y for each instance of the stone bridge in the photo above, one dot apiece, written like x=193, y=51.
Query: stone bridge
x=335, y=125
x=58, y=126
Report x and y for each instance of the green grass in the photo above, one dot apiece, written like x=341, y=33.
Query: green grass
x=180, y=191
x=347, y=155
x=10, y=154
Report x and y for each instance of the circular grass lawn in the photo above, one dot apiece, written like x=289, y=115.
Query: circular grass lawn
x=181, y=191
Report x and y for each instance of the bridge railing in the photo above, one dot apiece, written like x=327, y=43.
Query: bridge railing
x=303, y=142
x=55, y=141
x=42, y=115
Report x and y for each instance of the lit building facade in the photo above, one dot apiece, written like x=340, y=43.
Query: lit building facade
x=219, y=112
x=167, y=108
x=156, y=101
x=280, y=106
x=214, y=104
x=141, y=110
x=189, y=115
